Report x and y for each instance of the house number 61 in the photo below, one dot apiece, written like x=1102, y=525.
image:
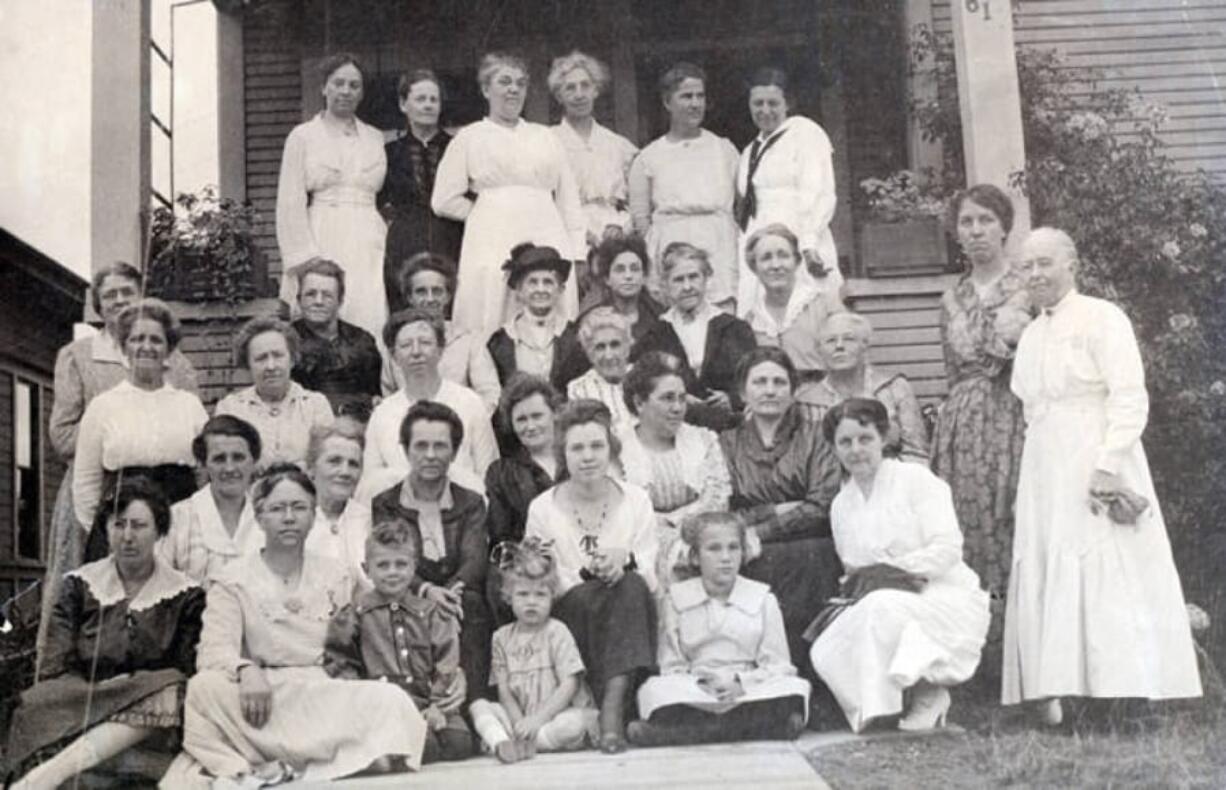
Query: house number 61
x=973, y=6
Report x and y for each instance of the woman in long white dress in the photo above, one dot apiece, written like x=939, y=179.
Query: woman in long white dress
x=332, y=168
x=600, y=158
x=917, y=618
x=525, y=191
x=682, y=185
x=1095, y=607
x=786, y=175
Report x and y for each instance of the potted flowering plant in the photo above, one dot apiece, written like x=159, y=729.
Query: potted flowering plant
x=903, y=233
x=202, y=250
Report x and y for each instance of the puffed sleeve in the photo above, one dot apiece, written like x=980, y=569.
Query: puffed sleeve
x=181, y=373
x=65, y=619
x=68, y=406
x=294, y=236
x=321, y=411
x=639, y=186
x=451, y=184
x=343, y=645
x=187, y=635
x=221, y=639
x=87, y=471
x=773, y=659
x=932, y=507
x=1114, y=347
x=816, y=185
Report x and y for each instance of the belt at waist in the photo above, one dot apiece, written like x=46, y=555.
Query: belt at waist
x=343, y=197
x=664, y=215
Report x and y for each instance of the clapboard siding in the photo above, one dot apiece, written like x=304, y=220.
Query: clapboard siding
x=1173, y=51
x=906, y=315
x=272, y=99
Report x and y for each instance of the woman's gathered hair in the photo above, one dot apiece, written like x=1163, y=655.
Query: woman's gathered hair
x=866, y=411
x=134, y=488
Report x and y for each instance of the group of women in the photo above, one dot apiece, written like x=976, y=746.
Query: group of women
x=874, y=553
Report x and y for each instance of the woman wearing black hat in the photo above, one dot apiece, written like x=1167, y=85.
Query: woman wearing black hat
x=528, y=343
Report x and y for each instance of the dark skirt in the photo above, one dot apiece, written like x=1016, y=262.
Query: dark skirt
x=476, y=632
x=412, y=230
x=802, y=574
x=176, y=481
x=54, y=711
x=614, y=627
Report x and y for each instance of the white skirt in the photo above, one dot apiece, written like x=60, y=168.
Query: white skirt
x=1095, y=608
x=502, y=218
x=326, y=728
x=891, y=639
x=683, y=689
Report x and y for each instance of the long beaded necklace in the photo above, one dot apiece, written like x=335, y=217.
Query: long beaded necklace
x=590, y=539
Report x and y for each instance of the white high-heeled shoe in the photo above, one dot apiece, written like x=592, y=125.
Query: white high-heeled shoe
x=1051, y=712
x=929, y=708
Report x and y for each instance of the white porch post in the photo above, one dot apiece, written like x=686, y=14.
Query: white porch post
x=990, y=100
x=119, y=131
x=231, y=129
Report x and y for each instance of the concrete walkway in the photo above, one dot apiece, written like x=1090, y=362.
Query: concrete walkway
x=758, y=765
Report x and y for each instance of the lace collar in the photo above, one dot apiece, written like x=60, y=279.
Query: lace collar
x=102, y=579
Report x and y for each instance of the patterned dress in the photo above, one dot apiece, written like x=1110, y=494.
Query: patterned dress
x=977, y=442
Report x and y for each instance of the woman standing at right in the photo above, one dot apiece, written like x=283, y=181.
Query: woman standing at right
x=682, y=185
x=525, y=191
x=786, y=175
x=977, y=442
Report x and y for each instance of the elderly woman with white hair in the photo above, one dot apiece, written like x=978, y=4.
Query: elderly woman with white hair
x=524, y=191
x=605, y=337
x=843, y=341
x=788, y=308
x=600, y=158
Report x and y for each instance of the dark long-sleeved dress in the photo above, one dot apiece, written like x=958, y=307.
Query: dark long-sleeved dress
x=798, y=559
x=511, y=483
x=463, y=560
x=345, y=369
x=108, y=657
x=404, y=201
x=728, y=339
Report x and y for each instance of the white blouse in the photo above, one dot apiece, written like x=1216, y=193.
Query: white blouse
x=700, y=467
x=383, y=451
x=907, y=521
x=486, y=155
x=342, y=538
x=129, y=426
x=319, y=166
x=1084, y=351
x=285, y=426
x=601, y=164
x=198, y=543
x=631, y=527
x=692, y=332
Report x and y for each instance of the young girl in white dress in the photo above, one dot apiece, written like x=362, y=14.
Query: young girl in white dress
x=543, y=702
x=725, y=671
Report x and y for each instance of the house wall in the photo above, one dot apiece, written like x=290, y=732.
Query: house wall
x=39, y=301
x=1172, y=50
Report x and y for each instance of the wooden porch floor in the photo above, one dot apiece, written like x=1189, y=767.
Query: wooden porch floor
x=760, y=765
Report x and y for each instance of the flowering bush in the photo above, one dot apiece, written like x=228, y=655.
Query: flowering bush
x=902, y=196
x=210, y=235
x=1152, y=238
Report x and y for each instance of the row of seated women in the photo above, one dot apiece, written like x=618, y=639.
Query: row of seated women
x=503, y=180
x=280, y=625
